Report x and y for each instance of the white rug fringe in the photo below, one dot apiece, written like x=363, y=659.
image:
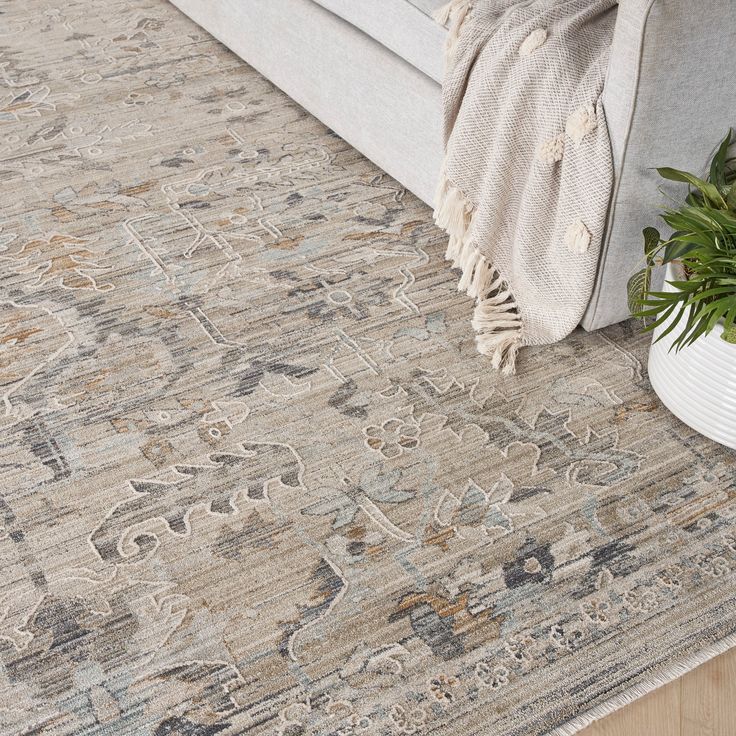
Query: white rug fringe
x=670, y=674
x=454, y=14
x=496, y=319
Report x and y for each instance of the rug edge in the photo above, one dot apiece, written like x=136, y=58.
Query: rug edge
x=667, y=676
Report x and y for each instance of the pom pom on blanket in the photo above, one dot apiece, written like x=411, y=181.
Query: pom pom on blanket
x=552, y=151
x=577, y=238
x=532, y=42
x=581, y=122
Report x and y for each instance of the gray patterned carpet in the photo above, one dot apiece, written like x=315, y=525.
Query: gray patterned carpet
x=254, y=476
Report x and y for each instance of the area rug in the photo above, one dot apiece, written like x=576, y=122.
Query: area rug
x=255, y=477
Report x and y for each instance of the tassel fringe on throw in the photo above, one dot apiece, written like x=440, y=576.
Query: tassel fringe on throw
x=496, y=319
x=453, y=13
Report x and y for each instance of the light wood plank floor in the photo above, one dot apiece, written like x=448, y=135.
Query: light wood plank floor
x=702, y=703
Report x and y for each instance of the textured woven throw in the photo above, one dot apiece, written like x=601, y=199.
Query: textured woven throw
x=527, y=176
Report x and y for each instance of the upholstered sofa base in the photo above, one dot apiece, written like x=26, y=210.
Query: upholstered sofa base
x=369, y=96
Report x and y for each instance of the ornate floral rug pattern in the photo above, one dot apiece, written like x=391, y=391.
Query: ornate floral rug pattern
x=254, y=476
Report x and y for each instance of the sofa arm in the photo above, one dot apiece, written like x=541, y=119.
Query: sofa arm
x=669, y=100
x=623, y=71
x=672, y=67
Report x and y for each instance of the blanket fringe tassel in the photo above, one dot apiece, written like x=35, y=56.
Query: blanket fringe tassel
x=454, y=14
x=496, y=319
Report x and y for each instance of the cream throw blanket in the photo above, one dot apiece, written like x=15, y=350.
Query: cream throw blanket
x=527, y=177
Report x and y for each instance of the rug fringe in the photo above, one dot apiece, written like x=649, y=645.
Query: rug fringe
x=669, y=675
x=455, y=12
x=496, y=319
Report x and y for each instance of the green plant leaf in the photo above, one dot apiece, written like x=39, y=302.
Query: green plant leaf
x=703, y=242
x=671, y=326
x=708, y=293
x=709, y=191
x=637, y=288
x=690, y=325
x=661, y=320
x=715, y=312
x=731, y=198
x=652, y=240
x=718, y=164
x=678, y=249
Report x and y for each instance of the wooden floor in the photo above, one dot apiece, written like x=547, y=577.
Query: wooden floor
x=702, y=703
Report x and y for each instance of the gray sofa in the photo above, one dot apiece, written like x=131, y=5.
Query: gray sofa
x=371, y=70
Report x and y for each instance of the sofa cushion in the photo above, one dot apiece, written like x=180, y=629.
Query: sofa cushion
x=406, y=27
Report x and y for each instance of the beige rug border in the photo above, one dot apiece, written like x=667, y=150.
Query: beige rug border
x=667, y=676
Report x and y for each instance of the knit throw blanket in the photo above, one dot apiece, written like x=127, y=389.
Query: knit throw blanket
x=527, y=177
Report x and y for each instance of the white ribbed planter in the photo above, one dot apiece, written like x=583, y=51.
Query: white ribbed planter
x=698, y=383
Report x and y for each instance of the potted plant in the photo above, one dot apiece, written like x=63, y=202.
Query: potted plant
x=692, y=362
